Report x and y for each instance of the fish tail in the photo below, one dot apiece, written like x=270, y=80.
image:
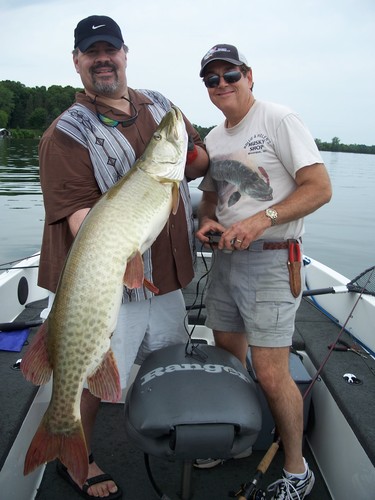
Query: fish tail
x=70, y=449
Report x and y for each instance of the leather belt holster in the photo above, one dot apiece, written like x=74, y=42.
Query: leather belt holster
x=294, y=266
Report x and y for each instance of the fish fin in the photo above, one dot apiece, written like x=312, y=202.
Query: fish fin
x=150, y=286
x=175, y=198
x=105, y=381
x=35, y=365
x=134, y=273
x=70, y=448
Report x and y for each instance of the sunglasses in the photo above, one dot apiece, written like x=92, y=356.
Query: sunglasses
x=125, y=123
x=232, y=76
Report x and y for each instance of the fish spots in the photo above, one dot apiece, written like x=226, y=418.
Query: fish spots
x=247, y=181
x=127, y=218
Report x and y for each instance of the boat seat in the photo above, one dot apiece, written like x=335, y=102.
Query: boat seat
x=194, y=401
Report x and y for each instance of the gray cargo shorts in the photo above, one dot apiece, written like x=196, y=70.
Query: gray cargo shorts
x=249, y=291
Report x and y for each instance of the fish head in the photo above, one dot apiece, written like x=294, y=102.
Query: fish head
x=165, y=155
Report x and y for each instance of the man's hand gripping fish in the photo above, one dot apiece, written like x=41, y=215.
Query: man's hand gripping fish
x=74, y=342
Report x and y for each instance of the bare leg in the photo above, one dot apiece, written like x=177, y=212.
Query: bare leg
x=285, y=401
x=89, y=410
x=235, y=343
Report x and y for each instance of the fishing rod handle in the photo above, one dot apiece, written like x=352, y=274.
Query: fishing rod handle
x=319, y=291
x=268, y=457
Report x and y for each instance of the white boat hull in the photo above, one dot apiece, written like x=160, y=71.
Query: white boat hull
x=338, y=306
x=346, y=468
x=344, y=464
x=18, y=287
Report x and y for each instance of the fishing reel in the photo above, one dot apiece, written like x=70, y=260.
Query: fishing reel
x=254, y=494
x=257, y=495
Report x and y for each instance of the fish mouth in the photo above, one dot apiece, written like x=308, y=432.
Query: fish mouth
x=177, y=115
x=174, y=122
x=165, y=157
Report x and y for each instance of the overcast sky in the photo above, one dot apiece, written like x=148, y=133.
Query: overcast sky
x=316, y=56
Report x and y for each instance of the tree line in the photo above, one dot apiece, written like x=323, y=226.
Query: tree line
x=28, y=111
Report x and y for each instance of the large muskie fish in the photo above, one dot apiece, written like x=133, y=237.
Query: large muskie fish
x=74, y=342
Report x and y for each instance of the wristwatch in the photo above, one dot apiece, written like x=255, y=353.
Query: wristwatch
x=272, y=214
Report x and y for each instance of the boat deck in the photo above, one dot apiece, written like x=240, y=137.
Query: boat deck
x=115, y=454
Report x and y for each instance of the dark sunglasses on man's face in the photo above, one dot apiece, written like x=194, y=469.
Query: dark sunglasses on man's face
x=232, y=76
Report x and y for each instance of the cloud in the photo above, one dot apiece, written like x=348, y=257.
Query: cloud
x=314, y=56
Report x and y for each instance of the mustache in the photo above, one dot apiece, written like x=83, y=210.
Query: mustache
x=103, y=65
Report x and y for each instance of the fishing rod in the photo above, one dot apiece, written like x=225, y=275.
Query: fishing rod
x=370, y=272
x=7, y=266
x=355, y=285
x=249, y=491
x=19, y=325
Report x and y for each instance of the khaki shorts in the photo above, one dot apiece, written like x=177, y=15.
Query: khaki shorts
x=249, y=291
x=146, y=326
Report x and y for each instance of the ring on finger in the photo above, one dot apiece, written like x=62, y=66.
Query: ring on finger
x=238, y=241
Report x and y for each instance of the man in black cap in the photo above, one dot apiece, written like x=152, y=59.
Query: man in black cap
x=82, y=154
x=266, y=174
x=97, y=29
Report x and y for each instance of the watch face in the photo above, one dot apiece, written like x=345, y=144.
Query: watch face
x=272, y=214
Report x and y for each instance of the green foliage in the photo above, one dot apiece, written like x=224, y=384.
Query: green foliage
x=38, y=118
x=33, y=107
x=3, y=119
x=203, y=131
x=336, y=146
x=28, y=111
x=6, y=102
x=26, y=133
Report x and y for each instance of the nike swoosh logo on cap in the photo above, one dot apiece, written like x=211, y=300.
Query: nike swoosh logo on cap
x=99, y=26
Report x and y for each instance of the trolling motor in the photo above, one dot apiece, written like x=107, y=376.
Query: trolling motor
x=184, y=404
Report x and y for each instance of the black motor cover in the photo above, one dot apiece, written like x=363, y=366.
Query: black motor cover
x=197, y=405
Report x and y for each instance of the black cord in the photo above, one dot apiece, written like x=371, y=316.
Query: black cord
x=191, y=349
x=198, y=294
x=158, y=491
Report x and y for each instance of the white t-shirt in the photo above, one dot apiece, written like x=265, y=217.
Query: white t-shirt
x=253, y=165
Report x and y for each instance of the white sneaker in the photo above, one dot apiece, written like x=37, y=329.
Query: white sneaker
x=292, y=488
x=244, y=454
x=209, y=463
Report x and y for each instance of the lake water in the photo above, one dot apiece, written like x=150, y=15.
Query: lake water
x=340, y=234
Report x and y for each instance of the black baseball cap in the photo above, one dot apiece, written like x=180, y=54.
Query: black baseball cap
x=222, y=52
x=97, y=29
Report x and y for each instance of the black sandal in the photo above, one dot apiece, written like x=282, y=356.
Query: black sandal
x=101, y=478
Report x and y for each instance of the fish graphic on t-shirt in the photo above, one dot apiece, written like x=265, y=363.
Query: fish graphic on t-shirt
x=246, y=180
